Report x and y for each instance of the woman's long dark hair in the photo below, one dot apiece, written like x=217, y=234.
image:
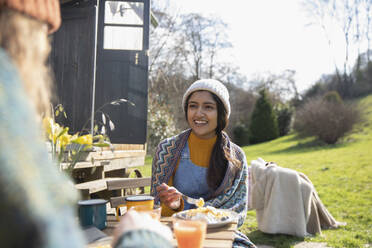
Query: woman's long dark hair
x=218, y=161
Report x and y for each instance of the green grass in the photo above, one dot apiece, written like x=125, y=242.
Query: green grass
x=147, y=168
x=341, y=173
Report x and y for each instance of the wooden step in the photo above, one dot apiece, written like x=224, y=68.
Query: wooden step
x=126, y=183
x=112, y=183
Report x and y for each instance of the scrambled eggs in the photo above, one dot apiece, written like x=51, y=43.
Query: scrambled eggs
x=210, y=214
x=200, y=203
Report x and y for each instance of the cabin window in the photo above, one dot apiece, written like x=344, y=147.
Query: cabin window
x=124, y=38
x=123, y=25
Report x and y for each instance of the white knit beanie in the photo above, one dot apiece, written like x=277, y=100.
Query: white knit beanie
x=213, y=86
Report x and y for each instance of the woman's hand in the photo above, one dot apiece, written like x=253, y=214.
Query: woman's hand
x=133, y=220
x=169, y=196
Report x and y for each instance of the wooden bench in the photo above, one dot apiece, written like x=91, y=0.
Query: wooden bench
x=127, y=186
x=119, y=187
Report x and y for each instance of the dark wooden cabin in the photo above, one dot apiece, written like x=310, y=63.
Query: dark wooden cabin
x=100, y=54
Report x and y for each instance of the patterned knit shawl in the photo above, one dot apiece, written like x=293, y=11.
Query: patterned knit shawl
x=231, y=194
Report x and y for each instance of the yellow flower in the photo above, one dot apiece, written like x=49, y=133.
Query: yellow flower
x=57, y=131
x=84, y=140
x=47, y=124
x=60, y=138
x=64, y=140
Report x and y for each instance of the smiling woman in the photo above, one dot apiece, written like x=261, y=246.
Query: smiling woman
x=202, y=114
x=202, y=162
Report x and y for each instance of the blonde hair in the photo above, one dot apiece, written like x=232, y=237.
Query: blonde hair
x=26, y=41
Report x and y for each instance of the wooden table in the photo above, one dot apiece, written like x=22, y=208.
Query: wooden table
x=221, y=237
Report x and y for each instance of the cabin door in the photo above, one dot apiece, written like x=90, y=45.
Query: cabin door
x=122, y=68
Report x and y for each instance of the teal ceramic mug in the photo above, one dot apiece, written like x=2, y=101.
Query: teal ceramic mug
x=92, y=213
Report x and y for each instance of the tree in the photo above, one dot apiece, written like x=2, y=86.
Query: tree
x=242, y=102
x=163, y=35
x=200, y=40
x=263, y=126
x=353, y=19
x=368, y=4
x=163, y=60
x=281, y=86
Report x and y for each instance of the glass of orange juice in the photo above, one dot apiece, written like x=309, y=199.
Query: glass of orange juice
x=189, y=233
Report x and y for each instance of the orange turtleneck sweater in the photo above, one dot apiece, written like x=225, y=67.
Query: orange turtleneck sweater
x=200, y=153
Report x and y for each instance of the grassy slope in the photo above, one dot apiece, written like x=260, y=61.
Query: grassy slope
x=342, y=175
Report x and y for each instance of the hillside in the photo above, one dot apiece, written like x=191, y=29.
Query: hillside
x=341, y=173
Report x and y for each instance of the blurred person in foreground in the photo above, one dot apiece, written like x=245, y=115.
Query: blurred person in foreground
x=202, y=162
x=37, y=202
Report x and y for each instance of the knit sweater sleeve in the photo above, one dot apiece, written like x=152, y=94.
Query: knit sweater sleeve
x=36, y=199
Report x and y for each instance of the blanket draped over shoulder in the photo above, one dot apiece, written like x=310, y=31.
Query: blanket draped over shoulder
x=286, y=201
x=231, y=194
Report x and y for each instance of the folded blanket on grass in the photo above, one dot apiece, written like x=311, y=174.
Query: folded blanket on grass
x=286, y=201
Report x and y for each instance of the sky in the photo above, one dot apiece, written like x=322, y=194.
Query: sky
x=271, y=36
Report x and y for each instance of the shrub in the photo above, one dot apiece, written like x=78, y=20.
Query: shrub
x=241, y=134
x=263, y=126
x=284, y=116
x=326, y=120
x=333, y=97
x=160, y=125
